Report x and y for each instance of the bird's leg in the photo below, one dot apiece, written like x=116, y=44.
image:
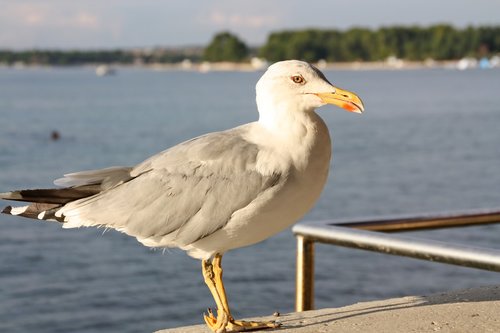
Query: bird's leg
x=215, y=324
x=219, y=285
x=225, y=321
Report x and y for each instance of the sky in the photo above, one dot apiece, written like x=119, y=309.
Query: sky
x=98, y=24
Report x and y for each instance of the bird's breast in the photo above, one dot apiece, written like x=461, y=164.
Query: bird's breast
x=302, y=164
x=305, y=164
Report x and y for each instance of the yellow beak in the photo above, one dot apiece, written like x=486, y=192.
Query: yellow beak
x=345, y=99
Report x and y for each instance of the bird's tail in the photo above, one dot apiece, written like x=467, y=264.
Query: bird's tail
x=44, y=203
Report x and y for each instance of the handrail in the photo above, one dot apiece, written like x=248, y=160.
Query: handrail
x=341, y=233
x=421, y=222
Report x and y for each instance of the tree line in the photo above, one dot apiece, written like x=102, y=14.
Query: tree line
x=439, y=42
x=64, y=58
x=82, y=57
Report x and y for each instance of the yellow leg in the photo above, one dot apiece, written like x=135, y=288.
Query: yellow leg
x=219, y=285
x=221, y=321
x=212, y=272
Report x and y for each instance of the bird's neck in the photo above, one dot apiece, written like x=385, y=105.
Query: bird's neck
x=289, y=122
x=283, y=118
x=301, y=133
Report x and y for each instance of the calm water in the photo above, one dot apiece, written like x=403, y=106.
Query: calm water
x=429, y=142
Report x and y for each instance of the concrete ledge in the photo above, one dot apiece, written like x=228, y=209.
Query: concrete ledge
x=465, y=311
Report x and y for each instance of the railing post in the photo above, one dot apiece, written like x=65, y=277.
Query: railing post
x=304, y=298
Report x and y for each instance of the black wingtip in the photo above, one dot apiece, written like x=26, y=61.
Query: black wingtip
x=7, y=210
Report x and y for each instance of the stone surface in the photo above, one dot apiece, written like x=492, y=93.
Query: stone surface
x=465, y=311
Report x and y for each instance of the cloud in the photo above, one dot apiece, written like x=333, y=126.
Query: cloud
x=86, y=20
x=53, y=25
x=30, y=16
x=40, y=15
x=221, y=19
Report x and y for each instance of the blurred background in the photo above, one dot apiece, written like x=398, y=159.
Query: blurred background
x=93, y=84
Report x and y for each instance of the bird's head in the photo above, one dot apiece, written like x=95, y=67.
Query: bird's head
x=296, y=85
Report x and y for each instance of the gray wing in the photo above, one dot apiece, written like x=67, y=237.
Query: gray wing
x=182, y=194
x=106, y=178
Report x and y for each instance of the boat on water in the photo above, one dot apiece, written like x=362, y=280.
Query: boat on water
x=104, y=70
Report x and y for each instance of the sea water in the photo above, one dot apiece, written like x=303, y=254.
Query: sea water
x=429, y=141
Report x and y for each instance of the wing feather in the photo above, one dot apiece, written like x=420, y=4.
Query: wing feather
x=107, y=177
x=182, y=194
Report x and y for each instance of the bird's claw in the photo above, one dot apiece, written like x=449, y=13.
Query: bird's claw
x=224, y=323
x=210, y=319
x=210, y=313
x=242, y=325
x=218, y=325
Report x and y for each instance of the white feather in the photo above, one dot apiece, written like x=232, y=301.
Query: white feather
x=18, y=210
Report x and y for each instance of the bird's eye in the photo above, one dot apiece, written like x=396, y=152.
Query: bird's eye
x=298, y=79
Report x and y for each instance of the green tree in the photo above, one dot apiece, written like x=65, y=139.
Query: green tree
x=225, y=47
x=407, y=42
x=276, y=46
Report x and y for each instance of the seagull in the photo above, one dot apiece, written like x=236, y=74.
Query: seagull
x=216, y=192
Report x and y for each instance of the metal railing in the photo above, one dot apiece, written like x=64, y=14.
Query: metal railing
x=360, y=234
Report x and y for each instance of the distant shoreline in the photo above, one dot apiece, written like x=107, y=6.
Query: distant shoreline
x=391, y=64
x=355, y=65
